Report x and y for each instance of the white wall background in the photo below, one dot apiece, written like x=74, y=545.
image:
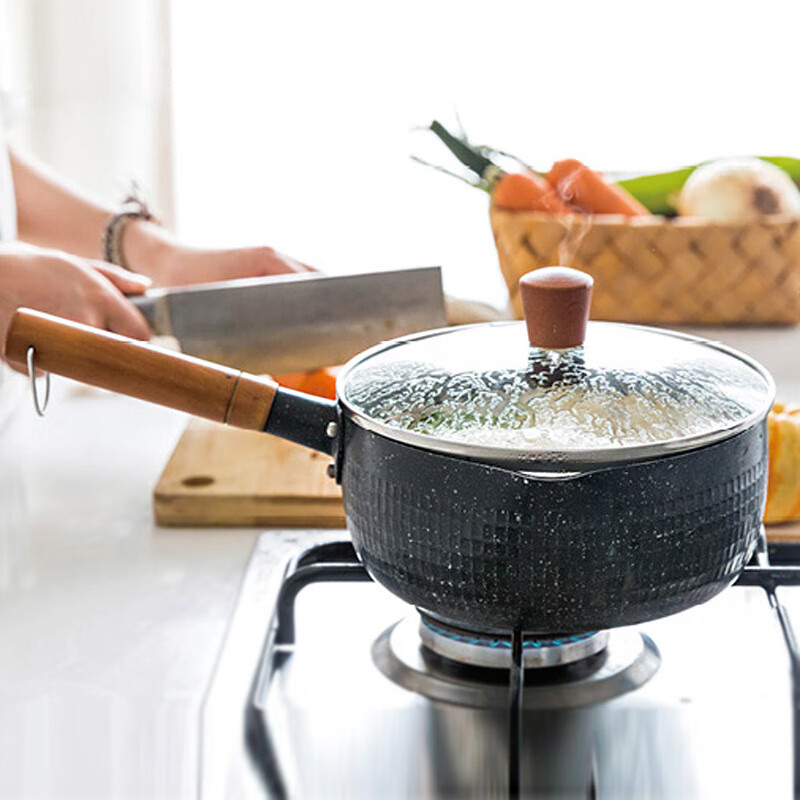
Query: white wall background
x=90, y=85
x=292, y=120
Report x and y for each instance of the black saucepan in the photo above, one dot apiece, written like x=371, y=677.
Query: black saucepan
x=488, y=538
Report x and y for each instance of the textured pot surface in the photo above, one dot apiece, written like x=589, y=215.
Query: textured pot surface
x=488, y=548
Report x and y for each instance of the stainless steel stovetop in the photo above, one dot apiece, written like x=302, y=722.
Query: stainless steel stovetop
x=336, y=698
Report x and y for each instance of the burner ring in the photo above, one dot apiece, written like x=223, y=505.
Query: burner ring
x=494, y=650
x=630, y=660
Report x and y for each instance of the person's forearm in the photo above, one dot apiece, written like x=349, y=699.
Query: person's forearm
x=51, y=213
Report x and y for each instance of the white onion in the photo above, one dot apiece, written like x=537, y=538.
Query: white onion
x=738, y=190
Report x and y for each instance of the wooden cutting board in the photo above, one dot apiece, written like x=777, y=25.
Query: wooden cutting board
x=228, y=477
x=223, y=476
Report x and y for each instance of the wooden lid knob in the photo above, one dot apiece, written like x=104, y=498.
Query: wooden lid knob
x=555, y=301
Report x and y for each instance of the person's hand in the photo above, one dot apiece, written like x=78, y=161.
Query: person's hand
x=90, y=292
x=151, y=250
x=185, y=265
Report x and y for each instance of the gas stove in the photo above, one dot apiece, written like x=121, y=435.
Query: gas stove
x=329, y=686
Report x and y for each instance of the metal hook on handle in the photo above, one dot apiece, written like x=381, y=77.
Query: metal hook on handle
x=40, y=408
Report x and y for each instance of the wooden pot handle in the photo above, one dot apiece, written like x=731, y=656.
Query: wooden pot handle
x=141, y=370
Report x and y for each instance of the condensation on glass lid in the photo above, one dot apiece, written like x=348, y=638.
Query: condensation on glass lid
x=494, y=391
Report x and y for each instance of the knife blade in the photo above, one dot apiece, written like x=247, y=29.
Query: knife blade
x=291, y=323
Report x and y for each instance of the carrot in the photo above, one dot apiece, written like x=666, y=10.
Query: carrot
x=516, y=191
x=581, y=187
x=320, y=382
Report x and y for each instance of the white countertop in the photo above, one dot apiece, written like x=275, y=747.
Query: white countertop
x=109, y=625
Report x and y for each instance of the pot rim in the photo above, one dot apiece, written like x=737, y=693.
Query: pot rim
x=554, y=460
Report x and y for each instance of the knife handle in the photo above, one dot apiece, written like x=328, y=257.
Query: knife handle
x=140, y=370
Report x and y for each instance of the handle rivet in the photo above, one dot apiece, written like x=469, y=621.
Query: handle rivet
x=332, y=430
x=331, y=470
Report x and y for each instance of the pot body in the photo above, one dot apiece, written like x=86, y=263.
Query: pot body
x=487, y=548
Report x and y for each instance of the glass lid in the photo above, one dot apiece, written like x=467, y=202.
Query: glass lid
x=615, y=393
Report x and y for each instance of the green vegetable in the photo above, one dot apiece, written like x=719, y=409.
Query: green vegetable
x=656, y=192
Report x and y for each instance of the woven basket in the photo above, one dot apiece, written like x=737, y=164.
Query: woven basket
x=659, y=270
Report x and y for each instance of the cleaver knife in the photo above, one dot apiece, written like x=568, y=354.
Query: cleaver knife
x=291, y=323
